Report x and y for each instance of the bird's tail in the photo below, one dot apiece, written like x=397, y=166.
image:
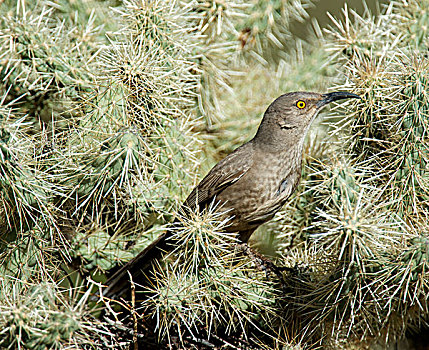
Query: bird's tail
x=119, y=283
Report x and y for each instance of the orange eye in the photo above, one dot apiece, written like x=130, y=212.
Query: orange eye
x=300, y=104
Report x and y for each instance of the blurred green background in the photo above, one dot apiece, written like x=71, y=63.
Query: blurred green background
x=320, y=9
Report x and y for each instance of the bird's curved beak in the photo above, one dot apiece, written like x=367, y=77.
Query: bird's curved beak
x=335, y=96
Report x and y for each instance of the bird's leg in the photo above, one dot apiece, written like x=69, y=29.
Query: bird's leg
x=262, y=262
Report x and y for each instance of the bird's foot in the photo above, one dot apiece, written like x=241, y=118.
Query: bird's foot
x=262, y=262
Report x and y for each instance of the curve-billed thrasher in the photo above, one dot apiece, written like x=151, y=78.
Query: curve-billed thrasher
x=253, y=182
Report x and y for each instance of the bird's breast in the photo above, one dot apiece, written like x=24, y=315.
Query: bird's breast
x=262, y=191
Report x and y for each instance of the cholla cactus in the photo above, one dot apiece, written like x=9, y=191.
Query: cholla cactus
x=26, y=194
x=208, y=289
x=212, y=36
x=134, y=150
x=267, y=25
x=38, y=316
x=45, y=64
x=216, y=19
x=390, y=127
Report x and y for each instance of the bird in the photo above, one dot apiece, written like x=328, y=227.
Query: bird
x=249, y=185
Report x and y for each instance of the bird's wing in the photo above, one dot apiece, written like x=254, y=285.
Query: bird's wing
x=225, y=173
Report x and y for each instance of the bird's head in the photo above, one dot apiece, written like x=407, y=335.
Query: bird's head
x=291, y=114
